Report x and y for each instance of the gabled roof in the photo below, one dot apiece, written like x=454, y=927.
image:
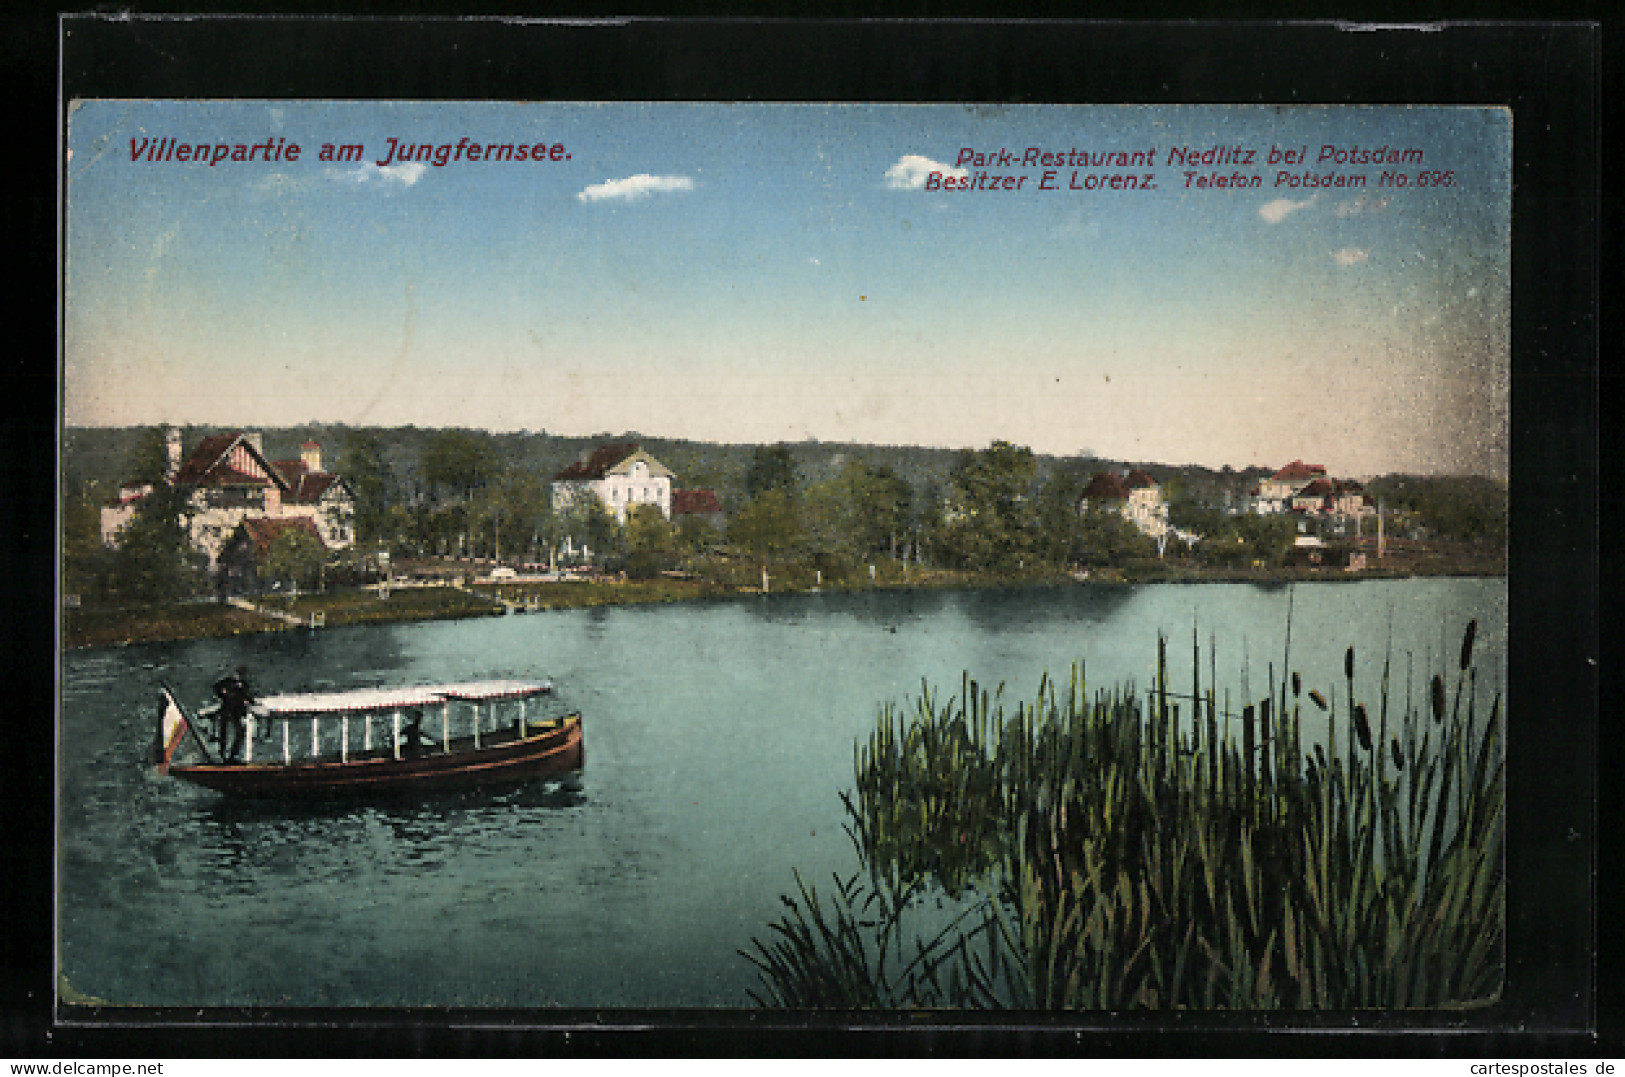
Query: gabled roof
x=306, y=487
x=602, y=459
x=610, y=459
x=1105, y=486
x=263, y=531
x=210, y=464
x=1319, y=488
x=694, y=502
x=1297, y=469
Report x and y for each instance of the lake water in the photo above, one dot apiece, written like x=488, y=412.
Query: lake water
x=718, y=736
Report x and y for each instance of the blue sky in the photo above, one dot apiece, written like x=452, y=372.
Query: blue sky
x=750, y=272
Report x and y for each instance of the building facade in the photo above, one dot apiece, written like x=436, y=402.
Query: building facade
x=227, y=480
x=620, y=477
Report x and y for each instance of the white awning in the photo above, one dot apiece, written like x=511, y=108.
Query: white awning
x=360, y=700
x=484, y=691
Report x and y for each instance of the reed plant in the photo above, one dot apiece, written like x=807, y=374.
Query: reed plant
x=1110, y=850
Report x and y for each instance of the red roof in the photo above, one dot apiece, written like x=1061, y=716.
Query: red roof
x=599, y=463
x=1319, y=488
x=210, y=464
x=205, y=456
x=265, y=530
x=310, y=445
x=1297, y=469
x=1139, y=480
x=1106, y=486
x=694, y=502
x=305, y=487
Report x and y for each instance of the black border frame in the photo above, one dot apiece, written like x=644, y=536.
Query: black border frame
x=1548, y=73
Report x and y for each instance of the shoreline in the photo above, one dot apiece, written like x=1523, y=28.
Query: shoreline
x=89, y=628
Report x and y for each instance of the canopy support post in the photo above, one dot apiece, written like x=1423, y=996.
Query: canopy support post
x=476, y=727
x=248, y=739
x=397, y=733
x=287, y=754
x=344, y=739
x=315, y=739
x=445, y=727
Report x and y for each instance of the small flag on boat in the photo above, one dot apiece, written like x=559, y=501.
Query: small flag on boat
x=171, y=728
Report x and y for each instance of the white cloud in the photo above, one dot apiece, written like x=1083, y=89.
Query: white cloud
x=1362, y=204
x=635, y=187
x=404, y=173
x=1350, y=256
x=909, y=173
x=1277, y=211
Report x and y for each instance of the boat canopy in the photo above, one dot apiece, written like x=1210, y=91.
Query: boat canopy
x=361, y=700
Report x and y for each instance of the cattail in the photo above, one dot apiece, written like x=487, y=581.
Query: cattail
x=1467, y=643
x=1348, y=663
x=1297, y=685
x=1399, y=757
x=1361, y=727
x=1320, y=700
x=1438, y=697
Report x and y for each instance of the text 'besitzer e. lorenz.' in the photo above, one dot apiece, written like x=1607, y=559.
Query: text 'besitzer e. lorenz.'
x=1199, y=167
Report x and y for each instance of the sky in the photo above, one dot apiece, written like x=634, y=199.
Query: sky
x=763, y=272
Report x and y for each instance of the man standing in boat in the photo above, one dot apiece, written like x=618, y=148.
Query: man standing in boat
x=235, y=699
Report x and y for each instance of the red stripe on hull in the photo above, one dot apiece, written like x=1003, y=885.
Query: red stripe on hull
x=552, y=752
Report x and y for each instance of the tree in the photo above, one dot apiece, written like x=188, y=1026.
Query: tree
x=772, y=467
x=296, y=557
x=155, y=561
x=648, y=542
x=768, y=526
x=858, y=513
x=992, y=525
x=1105, y=539
x=461, y=461
x=1060, y=521
x=372, y=481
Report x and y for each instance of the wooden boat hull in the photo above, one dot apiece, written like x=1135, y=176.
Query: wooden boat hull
x=551, y=751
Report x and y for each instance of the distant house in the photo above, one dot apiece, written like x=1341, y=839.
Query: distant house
x=1135, y=496
x=1313, y=498
x=620, y=476
x=699, y=505
x=1105, y=493
x=227, y=480
x=242, y=557
x=320, y=495
x=1275, y=494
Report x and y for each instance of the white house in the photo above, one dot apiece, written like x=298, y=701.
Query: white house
x=620, y=476
x=1275, y=494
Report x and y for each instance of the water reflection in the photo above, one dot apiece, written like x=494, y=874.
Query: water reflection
x=718, y=735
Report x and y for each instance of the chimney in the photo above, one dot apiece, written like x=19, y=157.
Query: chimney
x=311, y=454
x=172, y=452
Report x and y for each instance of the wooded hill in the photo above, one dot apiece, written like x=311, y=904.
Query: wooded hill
x=95, y=460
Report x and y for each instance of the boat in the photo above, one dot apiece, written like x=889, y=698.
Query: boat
x=377, y=741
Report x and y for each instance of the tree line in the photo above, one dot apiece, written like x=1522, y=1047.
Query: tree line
x=833, y=510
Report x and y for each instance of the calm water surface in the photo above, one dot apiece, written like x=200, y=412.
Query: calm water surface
x=718, y=736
